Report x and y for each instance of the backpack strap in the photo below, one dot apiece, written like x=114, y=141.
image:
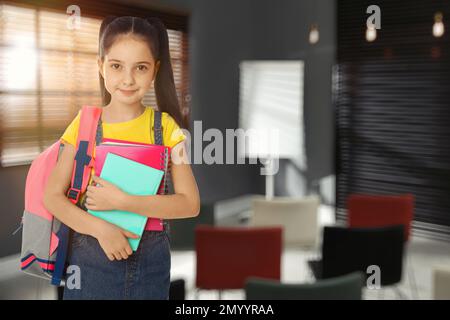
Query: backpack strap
x=88, y=135
x=99, y=134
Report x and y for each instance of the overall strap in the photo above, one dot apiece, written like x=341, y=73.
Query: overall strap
x=157, y=132
x=158, y=137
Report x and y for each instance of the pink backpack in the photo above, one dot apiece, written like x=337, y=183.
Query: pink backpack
x=45, y=239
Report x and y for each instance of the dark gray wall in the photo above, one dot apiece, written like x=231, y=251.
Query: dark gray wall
x=225, y=32
x=286, y=29
x=222, y=33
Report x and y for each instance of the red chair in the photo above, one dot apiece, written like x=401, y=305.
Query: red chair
x=381, y=211
x=227, y=256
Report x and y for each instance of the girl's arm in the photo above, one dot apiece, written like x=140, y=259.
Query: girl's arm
x=185, y=203
x=112, y=239
x=56, y=201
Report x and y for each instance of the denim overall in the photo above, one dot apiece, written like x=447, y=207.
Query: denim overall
x=143, y=275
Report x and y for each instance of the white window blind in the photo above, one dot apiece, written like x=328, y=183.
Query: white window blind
x=271, y=100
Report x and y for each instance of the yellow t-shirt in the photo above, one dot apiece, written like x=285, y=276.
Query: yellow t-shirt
x=137, y=130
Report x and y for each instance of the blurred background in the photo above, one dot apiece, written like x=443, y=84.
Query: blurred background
x=359, y=94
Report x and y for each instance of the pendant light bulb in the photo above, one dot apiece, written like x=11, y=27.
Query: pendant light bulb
x=438, y=26
x=371, y=34
x=314, y=34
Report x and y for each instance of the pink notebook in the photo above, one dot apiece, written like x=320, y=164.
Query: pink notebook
x=155, y=156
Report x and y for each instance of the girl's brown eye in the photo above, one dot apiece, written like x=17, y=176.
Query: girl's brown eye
x=115, y=66
x=142, y=68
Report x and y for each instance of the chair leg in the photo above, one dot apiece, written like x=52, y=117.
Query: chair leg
x=309, y=277
x=380, y=294
x=38, y=289
x=412, y=278
x=305, y=272
x=196, y=293
x=400, y=294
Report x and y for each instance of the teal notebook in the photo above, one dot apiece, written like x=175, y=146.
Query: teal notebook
x=133, y=178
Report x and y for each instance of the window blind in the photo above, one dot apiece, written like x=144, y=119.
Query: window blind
x=48, y=71
x=392, y=109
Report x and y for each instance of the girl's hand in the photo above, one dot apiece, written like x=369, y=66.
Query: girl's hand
x=103, y=197
x=113, y=241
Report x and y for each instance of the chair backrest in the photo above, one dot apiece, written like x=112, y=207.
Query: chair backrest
x=347, y=287
x=297, y=216
x=381, y=211
x=346, y=250
x=226, y=256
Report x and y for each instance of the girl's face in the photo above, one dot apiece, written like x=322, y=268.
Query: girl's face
x=129, y=70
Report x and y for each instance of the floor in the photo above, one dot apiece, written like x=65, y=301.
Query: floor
x=423, y=254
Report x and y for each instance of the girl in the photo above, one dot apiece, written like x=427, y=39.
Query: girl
x=133, y=54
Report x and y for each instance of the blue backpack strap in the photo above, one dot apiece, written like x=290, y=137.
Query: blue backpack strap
x=98, y=141
x=83, y=159
x=61, y=255
x=64, y=232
